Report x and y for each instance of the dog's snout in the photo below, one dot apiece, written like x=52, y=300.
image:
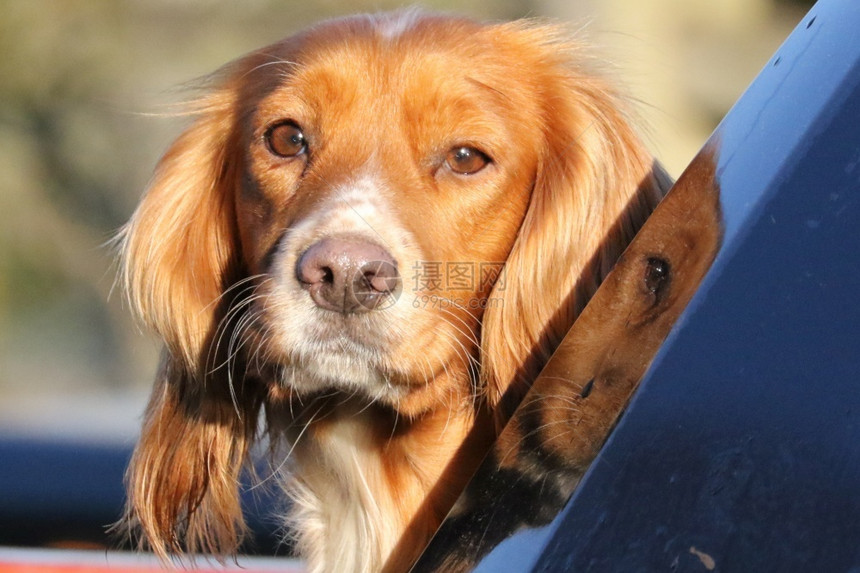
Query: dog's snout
x=348, y=275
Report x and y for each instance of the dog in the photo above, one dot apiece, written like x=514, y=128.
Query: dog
x=361, y=252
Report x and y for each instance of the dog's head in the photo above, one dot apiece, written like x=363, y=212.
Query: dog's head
x=406, y=209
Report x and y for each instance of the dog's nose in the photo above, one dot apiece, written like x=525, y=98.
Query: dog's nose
x=348, y=274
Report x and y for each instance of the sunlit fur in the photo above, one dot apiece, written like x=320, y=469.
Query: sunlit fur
x=383, y=415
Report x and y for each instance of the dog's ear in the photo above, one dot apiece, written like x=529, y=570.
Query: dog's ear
x=183, y=479
x=179, y=254
x=180, y=246
x=595, y=186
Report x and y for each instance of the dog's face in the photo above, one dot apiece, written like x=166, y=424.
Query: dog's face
x=339, y=215
x=383, y=184
x=335, y=223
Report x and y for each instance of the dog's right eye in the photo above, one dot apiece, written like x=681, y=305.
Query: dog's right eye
x=286, y=140
x=466, y=160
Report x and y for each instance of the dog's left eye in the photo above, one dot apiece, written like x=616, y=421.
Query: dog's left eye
x=286, y=139
x=466, y=160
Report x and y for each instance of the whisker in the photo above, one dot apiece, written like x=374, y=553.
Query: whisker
x=234, y=286
x=295, y=443
x=225, y=321
x=245, y=322
x=223, y=328
x=467, y=331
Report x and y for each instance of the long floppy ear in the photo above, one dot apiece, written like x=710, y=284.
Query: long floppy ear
x=595, y=186
x=179, y=253
x=183, y=479
x=180, y=245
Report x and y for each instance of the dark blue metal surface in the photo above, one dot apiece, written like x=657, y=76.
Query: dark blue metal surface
x=53, y=492
x=741, y=449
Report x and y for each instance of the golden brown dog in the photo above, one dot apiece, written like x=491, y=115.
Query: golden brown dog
x=366, y=245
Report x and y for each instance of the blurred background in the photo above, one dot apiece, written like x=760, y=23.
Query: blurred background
x=84, y=87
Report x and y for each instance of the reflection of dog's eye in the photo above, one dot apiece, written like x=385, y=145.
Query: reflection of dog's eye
x=656, y=275
x=286, y=140
x=466, y=160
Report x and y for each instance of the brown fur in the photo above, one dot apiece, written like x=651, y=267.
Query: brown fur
x=381, y=100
